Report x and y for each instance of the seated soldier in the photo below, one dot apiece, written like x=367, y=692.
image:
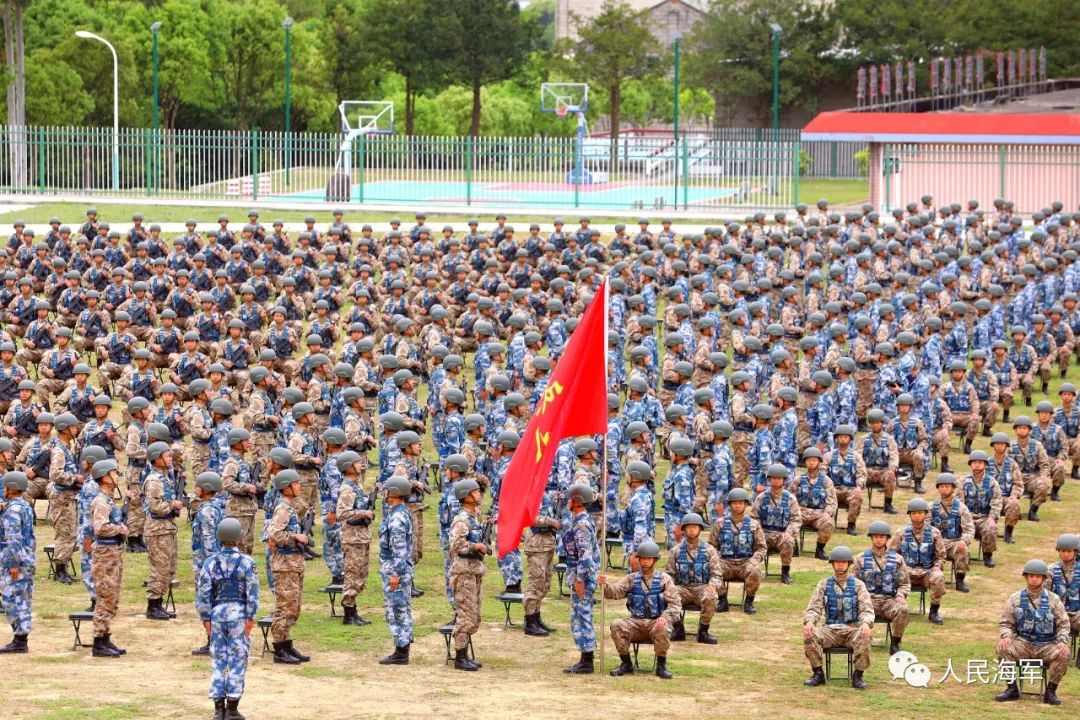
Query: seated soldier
x=843, y=604
x=1065, y=581
x=741, y=544
x=816, y=495
x=982, y=496
x=886, y=577
x=778, y=512
x=949, y=515
x=922, y=548
x=696, y=569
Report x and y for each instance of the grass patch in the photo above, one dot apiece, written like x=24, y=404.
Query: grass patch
x=74, y=709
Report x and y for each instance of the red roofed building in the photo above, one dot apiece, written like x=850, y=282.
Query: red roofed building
x=1031, y=159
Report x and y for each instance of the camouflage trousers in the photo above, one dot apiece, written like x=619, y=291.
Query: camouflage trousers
x=988, y=412
x=838, y=636
x=162, y=564
x=539, y=564
x=969, y=421
x=510, y=565
x=986, y=532
x=1051, y=655
x=882, y=477
x=288, y=589
x=1010, y=510
x=86, y=566
x=933, y=580
x=398, y=604
x=1038, y=486
x=916, y=458
x=63, y=516
x=628, y=630
x=961, y=558
x=247, y=532
x=356, y=563
x=776, y=542
x=467, y=595
x=864, y=391
x=18, y=598
x=417, y=515
x=1057, y=471
x=332, y=553
x=852, y=496
x=748, y=570
x=136, y=517
x=704, y=596
x=821, y=521
x=47, y=388
x=108, y=572
x=229, y=648
x=581, y=618
x=740, y=446
x=199, y=456
x=894, y=610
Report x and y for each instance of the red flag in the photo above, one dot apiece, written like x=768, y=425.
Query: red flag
x=575, y=403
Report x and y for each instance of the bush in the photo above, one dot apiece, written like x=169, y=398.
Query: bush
x=862, y=162
x=806, y=163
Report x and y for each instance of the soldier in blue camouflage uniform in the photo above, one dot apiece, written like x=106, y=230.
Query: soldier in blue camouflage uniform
x=786, y=429
x=510, y=564
x=582, y=563
x=762, y=450
x=85, y=538
x=887, y=381
x=221, y=411
x=449, y=435
x=204, y=540
x=637, y=520
x=679, y=488
x=846, y=393
x=396, y=568
x=227, y=600
x=720, y=469
x=821, y=416
x=17, y=548
x=329, y=486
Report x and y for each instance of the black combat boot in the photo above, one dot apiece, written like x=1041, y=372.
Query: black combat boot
x=988, y=559
x=961, y=586
x=894, y=646
x=967, y=446
x=541, y=623
x=351, y=617
x=1005, y=416
x=515, y=588
x=204, y=650
x=661, y=668
x=135, y=544
x=102, y=650
x=625, y=668
x=851, y=528
x=93, y=604
x=986, y=431
x=400, y=656
x=533, y=628
x=704, y=637
x=1011, y=692
x=815, y=680
x=722, y=604
x=60, y=574
x=934, y=617
x=282, y=656
x=154, y=610
x=289, y=648
x=919, y=489
x=819, y=552
x=748, y=605
x=1075, y=474
x=1033, y=514
x=231, y=710
x=1055, y=494
x=584, y=666
x=678, y=631
x=112, y=646
x=219, y=708
x=785, y=575
x=337, y=580
x=945, y=465
x=1009, y=534
x=462, y=661
x=416, y=592
x=1027, y=400
x=17, y=645
x=857, y=681
x=1050, y=696
x=1045, y=385
x=889, y=509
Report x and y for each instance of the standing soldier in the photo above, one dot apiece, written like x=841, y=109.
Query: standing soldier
x=777, y=510
x=467, y=548
x=741, y=544
x=743, y=423
x=886, y=577
x=922, y=548
x=539, y=551
x=200, y=425
x=414, y=470
x=204, y=523
x=816, y=496
x=286, y=542
x=1054, y=442
x=305, y=449
x=654, y=604
x=88, y=490
x=227, y=600
x=162, y=507
x=17, y=557
x=355, y=511
x=396, y=569
x=678, y=487
x=135, y=450
x=109, y=528
x=698, y=575
x=1034, y=625
x=237, y=479
x=1006, y=470
x=582, y=551
x=637, y=519
x=982, y=496
x=65, y=478
x=843, y=604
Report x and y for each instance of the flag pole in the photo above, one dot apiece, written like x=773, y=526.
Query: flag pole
x=603, y=490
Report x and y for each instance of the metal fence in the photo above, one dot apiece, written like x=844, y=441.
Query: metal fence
x=700, y=170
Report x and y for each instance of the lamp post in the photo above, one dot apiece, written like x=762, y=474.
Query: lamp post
x=154, y=30
x=675, y=130
x=287, y=23
x=777, y=32
x=86, y=35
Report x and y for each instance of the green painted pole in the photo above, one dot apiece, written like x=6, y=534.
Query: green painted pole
x=777, y=31
x=153, y=140
x=287, y=24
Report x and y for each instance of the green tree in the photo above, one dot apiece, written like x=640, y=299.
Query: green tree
x=55, y=94
x=493, y=55
x=614, y=47
x=252, y=59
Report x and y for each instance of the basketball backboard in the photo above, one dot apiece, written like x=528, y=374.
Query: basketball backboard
x=366, y=117
x=564, y=99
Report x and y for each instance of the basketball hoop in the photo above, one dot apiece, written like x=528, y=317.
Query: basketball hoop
x=562, y=110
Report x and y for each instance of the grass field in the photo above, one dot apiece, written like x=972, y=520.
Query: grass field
x=839, y=192
x=757, y=669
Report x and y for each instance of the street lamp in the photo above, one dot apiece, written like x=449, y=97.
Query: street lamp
x=287, y=23
x=154, y=29
x=777, y=32
x=678, y=48
x=86, y=35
